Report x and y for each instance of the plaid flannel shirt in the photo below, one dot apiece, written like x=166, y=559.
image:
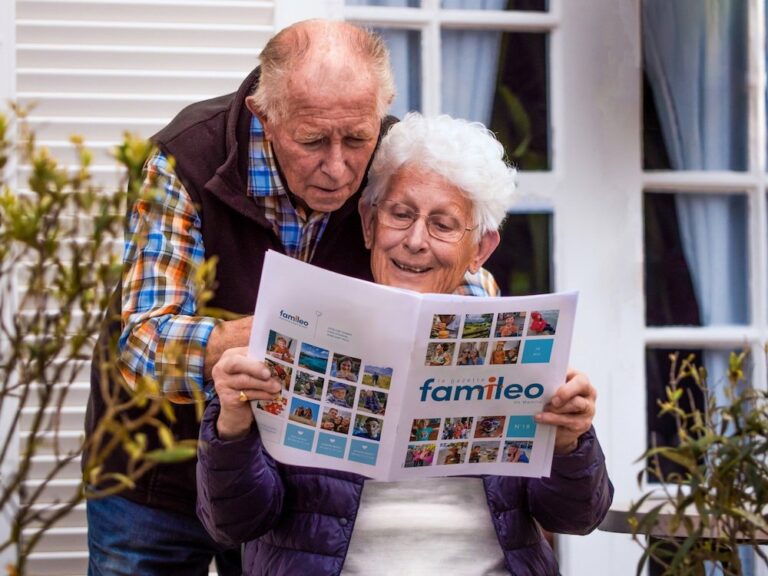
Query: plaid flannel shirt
x=164, y=246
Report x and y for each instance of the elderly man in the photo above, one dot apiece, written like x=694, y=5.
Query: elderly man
x=276, y=165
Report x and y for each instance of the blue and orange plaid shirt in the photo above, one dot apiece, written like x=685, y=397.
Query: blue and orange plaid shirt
x=164, y=246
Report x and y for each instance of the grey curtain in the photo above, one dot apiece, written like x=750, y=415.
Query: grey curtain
x=469, y=63
x=695, y=54
x=695, y=58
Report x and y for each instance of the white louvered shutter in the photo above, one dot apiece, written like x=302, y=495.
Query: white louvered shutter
x=98, y=68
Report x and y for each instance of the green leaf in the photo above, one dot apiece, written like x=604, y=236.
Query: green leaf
x=179, y=453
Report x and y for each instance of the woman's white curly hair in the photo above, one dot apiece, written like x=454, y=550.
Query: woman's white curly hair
x=466, y=154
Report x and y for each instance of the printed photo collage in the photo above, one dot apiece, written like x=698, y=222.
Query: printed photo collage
x=503, y=338
x=329, y=395
x=470, y=440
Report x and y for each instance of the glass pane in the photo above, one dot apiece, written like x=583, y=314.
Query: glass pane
x=522, y=264
x=400, y=3
x=696, y=259
x=405, y=54
x=509, y=93
x=696, y=103
x=521, y=5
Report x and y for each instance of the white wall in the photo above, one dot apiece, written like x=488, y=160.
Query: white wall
x=598, y=244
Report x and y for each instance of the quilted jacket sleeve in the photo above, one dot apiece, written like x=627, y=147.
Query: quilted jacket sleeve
x=577, y=495
x=240, y=491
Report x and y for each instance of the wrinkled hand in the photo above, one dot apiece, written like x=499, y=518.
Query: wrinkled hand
x=571, y=409
x=239, y=378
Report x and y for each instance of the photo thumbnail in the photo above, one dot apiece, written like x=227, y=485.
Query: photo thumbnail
x=444, y=327
x=336, y=420
x=440, y=353
x=477, y=326
x=345, y=367
x=424, y=429
x=510, y=324
x=281, y=347
x=543, y=323
x=313, y=357
x=377, y=377
x=308, y=385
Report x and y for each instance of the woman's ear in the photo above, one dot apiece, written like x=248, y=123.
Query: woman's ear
x=488, y=243
x=367, y=217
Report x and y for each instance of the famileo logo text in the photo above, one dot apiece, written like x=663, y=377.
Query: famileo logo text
x=493, y=389
x=295, y=319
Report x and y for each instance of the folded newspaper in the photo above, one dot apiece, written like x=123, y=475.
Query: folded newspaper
x=393, y=384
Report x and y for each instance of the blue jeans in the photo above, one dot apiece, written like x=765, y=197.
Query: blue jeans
x=130, y=539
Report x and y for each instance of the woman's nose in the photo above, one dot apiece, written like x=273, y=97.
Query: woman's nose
x=417, y=235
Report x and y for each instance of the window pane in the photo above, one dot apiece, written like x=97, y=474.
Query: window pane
x=522, y=5
x=696, y=260
x=522, y=264
x=695, y=62
x=400, y=3
x=405, y=54
x=510, y=97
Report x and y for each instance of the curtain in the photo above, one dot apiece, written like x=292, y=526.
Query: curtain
x=695, y=55
x=695, y=58
x=405, y=56
x=469, y=64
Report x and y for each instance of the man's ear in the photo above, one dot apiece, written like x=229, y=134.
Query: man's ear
x=265, y=124
x=367, y=216
x=488, y=243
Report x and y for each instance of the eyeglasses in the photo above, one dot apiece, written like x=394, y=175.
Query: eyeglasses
x=443, y=227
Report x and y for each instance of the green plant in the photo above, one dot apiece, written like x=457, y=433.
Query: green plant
x=58, y=266
x=715, y=500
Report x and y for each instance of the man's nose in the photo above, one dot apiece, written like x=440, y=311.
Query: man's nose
x=334, y=163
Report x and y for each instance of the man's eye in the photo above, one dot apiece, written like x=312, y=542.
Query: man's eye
x=400, y=214
x=354, y=142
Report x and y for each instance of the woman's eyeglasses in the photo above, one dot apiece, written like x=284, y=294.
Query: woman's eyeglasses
x=443, y=227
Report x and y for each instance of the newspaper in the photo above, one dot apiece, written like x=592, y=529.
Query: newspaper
x=393, y=384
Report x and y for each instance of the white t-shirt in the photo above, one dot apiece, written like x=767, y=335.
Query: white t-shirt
x=430, y=526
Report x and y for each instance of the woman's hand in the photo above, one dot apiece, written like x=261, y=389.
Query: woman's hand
x=571, y=409
x=238, y=379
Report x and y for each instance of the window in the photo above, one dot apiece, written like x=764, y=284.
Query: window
x=704, y=137
x=483, y=60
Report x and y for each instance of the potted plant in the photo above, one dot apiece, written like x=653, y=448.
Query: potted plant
x=58, y=266
x=713, y=503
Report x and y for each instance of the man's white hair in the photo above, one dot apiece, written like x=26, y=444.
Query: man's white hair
x=324, y=40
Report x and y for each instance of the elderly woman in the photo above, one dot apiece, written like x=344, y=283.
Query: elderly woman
x=438, y=191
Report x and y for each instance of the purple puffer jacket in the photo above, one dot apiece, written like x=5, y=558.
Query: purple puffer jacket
x=298, y=520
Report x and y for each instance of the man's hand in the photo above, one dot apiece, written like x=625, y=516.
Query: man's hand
x=571, y=409
x=226, y=335
x=238, y=379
